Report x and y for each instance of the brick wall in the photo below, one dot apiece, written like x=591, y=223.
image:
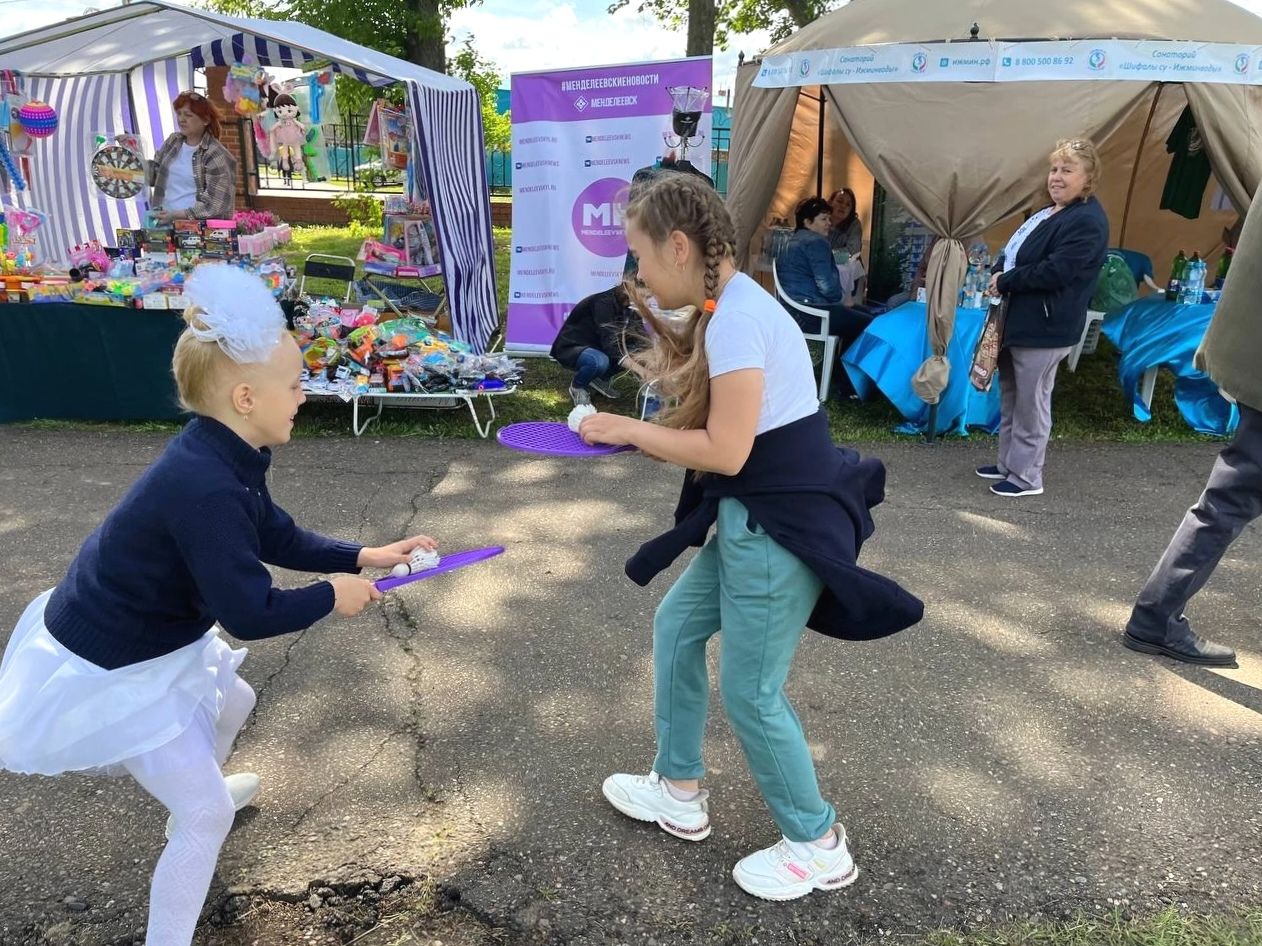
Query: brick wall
x=310, y=210
x=501, y=213
x=231, y=136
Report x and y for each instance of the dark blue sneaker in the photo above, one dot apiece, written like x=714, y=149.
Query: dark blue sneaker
x=1009, y=488
x=990, y=473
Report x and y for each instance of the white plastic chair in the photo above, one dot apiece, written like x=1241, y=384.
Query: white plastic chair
x=1089, y=340
x=829, y=342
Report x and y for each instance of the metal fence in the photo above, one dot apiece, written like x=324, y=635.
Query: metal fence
x=354, y=166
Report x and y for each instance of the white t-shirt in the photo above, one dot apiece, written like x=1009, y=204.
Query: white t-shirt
x=750, y=329
x=181, y=190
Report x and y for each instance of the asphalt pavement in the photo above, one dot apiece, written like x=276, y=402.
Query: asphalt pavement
x=1006, y=758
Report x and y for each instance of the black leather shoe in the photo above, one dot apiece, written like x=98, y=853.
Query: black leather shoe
x=1192, y=649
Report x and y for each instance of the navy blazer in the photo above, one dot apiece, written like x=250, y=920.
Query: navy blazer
x=813, y=498
x=1051, y=285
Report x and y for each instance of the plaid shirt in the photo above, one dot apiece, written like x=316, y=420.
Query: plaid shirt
x=214, y=170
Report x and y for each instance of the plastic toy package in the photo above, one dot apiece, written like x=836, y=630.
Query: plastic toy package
x=348, y=353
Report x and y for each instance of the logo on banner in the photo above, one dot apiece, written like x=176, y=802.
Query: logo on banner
x=1242, y=64
x=580, y=103
x=804, y=67
x=1096, y=60
x=919, y=62
x=598, y=215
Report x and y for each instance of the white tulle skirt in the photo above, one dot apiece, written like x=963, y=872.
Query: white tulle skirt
x=61, y=713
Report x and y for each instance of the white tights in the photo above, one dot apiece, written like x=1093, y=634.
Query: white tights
x=185, y=776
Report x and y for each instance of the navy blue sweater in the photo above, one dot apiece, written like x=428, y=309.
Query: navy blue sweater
x=813, y=498
x=185, y=548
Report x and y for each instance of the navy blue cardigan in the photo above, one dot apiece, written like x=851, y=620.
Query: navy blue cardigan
x=1056, y=272
x=813, y=498
x=185, y=548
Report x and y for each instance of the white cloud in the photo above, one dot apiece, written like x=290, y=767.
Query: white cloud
x=538, y=36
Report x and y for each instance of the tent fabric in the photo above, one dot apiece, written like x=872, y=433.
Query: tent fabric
x=962, y=157
x=868, y=22
x=77, y=212
x=1228, y=117
x=447, y=130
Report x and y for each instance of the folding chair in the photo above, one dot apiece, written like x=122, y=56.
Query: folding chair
x=828, y=341
x=327, y=266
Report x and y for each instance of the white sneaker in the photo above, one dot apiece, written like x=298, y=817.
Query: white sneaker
x=646, y=798
x=792, y=869
x=242, y=787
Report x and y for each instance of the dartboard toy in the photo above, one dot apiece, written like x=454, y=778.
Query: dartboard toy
x=119, y=172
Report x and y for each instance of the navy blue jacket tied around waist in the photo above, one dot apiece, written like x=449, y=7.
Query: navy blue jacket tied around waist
x=813, y=498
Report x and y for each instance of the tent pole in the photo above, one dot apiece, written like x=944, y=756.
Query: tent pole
x=931, y=426
x=1139, y=150
x=819, y=157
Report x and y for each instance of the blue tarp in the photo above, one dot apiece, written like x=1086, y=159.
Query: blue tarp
x=1155, y=333
x=890, y=350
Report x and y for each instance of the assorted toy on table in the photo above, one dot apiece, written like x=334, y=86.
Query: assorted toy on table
x=349, y=353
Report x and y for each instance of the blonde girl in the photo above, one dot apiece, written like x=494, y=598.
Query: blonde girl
x=790, y=511
x=121, y=667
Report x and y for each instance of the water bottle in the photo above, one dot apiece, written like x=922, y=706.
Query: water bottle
x=1193, y=282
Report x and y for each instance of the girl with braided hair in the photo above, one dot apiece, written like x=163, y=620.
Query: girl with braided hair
x=790, y=510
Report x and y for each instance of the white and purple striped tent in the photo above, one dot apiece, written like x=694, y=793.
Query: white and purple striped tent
x=119, y=70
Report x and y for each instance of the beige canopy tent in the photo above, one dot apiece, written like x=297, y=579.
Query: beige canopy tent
x=965, y=158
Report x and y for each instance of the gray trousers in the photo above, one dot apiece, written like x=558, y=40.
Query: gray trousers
x=1026, y=379
x=1231, y=500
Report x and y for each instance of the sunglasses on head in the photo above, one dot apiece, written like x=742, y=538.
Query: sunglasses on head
x=192, y=95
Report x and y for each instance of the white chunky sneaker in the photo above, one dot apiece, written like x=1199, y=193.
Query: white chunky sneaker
x=646, y=798
x=791, y=869
x=242, y=787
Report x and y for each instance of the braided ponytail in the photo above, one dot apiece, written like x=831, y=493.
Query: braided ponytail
x=677, y=361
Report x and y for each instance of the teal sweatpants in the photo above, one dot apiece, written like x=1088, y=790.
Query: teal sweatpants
x=760, y=595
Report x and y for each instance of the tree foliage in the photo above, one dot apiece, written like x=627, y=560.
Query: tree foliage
x=730, y=17
x=414, y=30
x=486, y=77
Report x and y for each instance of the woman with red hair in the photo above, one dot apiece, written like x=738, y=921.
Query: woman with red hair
x=194, y=177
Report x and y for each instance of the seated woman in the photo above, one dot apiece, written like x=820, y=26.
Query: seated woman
x=808, y=274
x=846, y=232
x=593, y=341
x=194, y=177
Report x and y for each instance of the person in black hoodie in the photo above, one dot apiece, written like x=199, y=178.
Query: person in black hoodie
x=593, y=341
x=790, y=511
x=1047, y=273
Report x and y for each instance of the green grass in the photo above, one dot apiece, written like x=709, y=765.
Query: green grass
x=1088, y=405
x=1166, y=929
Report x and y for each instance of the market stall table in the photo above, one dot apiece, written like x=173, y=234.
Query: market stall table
x=1153, y=333
x=892, y=347
x=87, y=362
x=414, y=399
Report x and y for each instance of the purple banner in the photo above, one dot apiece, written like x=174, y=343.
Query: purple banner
x=603, y=92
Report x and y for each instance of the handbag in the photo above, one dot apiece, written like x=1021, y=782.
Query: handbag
x=986, y=355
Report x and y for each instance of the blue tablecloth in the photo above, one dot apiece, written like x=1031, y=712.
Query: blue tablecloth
x=1155, y=333
x=890, y=350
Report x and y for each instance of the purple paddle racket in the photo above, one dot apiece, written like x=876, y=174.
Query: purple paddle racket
x=448, y=563
x=554, y=439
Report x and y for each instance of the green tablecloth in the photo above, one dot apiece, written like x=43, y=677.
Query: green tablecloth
x=87, y=362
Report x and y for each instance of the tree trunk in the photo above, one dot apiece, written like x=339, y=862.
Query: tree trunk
x=803, y=11
x=700, y=27
x=423, y=42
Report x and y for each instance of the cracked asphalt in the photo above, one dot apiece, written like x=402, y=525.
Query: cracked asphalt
x=1004, y=759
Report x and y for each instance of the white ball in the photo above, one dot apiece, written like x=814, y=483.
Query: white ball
x=400, y=570
x=576, y=416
